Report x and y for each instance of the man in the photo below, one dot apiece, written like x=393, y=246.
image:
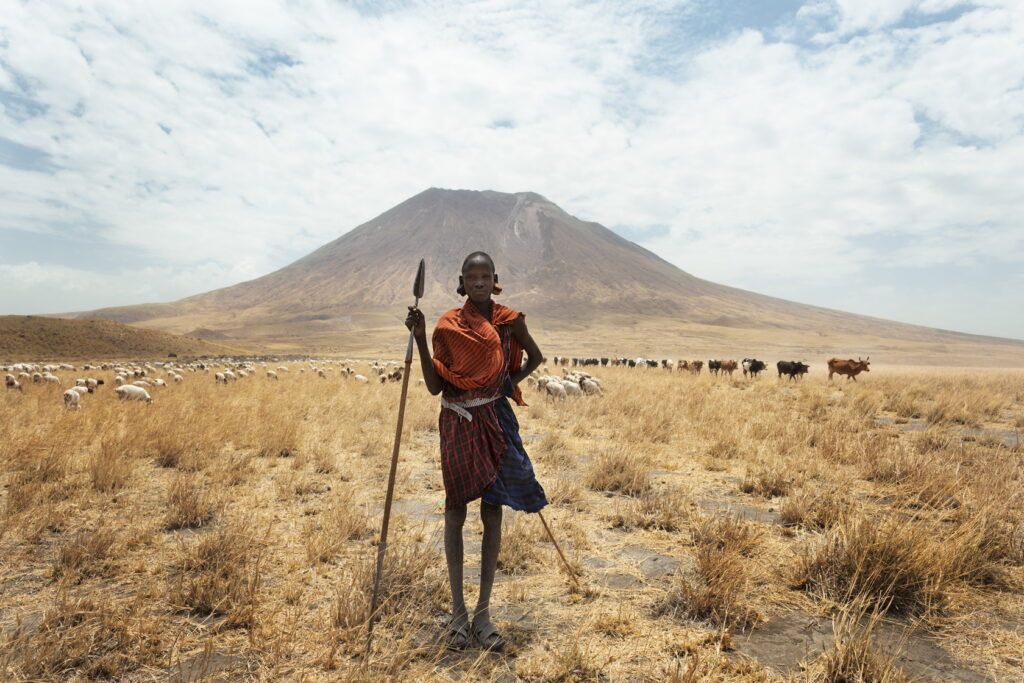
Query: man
x=476, y=365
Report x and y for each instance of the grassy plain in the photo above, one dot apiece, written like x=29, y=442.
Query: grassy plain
x=724, y=529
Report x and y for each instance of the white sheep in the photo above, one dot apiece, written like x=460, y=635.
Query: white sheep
x=81, y=391
x=160, y=383
x=361, y=379
x=51, y=379
x=118, y=381
x=178, y=379
x=10, y=382
x=271, y=374
x=571, y=388
x=130, y=392
x=590, y=386
x=72, y=399
x=141, y=383
x=220, y=378
x=555, y=390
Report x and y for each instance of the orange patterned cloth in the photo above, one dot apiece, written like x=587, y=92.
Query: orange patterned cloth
x=467, y=347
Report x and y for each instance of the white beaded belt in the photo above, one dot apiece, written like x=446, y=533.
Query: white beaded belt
x=461, y=408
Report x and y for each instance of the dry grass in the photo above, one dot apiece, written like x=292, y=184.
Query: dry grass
x=220, y=574
x=665, y=509
x=190, y=503
x=620, y=470
x=855, y=653
x=232, y=528
x=816, y=508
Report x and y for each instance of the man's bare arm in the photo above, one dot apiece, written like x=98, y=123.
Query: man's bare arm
x=415, y=322
x=530, y=346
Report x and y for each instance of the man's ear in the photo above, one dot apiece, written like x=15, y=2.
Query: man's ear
x=497, y=288
x=461, y=291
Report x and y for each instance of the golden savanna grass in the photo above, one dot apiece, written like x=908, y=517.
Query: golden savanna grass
x=229, y=531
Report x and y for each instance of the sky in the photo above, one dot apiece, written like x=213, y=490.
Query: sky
x=864, y=155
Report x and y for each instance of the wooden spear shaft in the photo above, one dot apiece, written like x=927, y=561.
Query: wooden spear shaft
x=382, y=545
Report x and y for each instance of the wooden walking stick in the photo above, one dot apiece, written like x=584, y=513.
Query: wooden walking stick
x=568, y=568
x=382, y=545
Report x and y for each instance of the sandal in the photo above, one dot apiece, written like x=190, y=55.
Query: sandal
x=488, y=637
x=457, y=638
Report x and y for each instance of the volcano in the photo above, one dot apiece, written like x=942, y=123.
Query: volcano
x=586, y=287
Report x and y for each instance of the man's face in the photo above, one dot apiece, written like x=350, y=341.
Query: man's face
x=478, y=279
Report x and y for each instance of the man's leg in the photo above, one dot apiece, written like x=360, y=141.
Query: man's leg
x=453, y=523
x=490, y=515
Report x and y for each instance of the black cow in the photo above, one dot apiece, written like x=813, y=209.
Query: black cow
x=793, y=368
x=753, y=367
x=714, y=366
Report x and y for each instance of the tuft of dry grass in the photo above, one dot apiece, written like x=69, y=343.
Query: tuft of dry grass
x=718, y=593
x=663, y=508
x=767, y=480
x=908, y=566
x=341, y=520
x=853, y=654
x=109, y=470
x=730, y=534
x=220, y=574
x=567, y=493
x=812, y=508
x=190, y=503
x=87, y=553
x=518, y=552
x=86, y=637
x=553, y=451
x=619, y=471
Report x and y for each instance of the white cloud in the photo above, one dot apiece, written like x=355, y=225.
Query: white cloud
x=772, y=161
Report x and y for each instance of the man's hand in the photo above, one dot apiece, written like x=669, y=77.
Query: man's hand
x=415, y=322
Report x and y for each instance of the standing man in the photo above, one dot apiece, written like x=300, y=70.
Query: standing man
x=476, y=366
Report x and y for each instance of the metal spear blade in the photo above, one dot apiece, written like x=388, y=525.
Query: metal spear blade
x=417, y=288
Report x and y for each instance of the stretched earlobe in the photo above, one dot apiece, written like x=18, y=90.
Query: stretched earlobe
x=497, y=288
x=461, y=291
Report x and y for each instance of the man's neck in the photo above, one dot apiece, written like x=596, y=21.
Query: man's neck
x=484, y=308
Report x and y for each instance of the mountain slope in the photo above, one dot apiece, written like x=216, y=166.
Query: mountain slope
x=566, y=273
x=26, y=337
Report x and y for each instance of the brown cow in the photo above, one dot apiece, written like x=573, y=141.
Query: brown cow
x=682, y=365
x=849, y=367
x=695, y=366
x=727, y=366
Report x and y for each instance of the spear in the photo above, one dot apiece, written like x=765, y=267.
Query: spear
x=382, y=545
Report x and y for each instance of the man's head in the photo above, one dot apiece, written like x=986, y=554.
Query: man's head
x=478, y=280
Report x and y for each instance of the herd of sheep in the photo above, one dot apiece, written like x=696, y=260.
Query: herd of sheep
x=134, y=381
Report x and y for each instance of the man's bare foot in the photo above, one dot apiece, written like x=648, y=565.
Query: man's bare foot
x=486, y=633
x=458, y=629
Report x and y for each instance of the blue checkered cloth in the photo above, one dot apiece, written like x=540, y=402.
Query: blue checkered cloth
x=516, y=485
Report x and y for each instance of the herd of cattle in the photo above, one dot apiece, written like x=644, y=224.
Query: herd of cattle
x=751, y=367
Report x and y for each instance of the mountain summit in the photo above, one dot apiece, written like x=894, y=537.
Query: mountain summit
x=568, y=275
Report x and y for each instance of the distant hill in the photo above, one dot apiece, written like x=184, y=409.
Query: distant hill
x=588, y=288
x=41, y=338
